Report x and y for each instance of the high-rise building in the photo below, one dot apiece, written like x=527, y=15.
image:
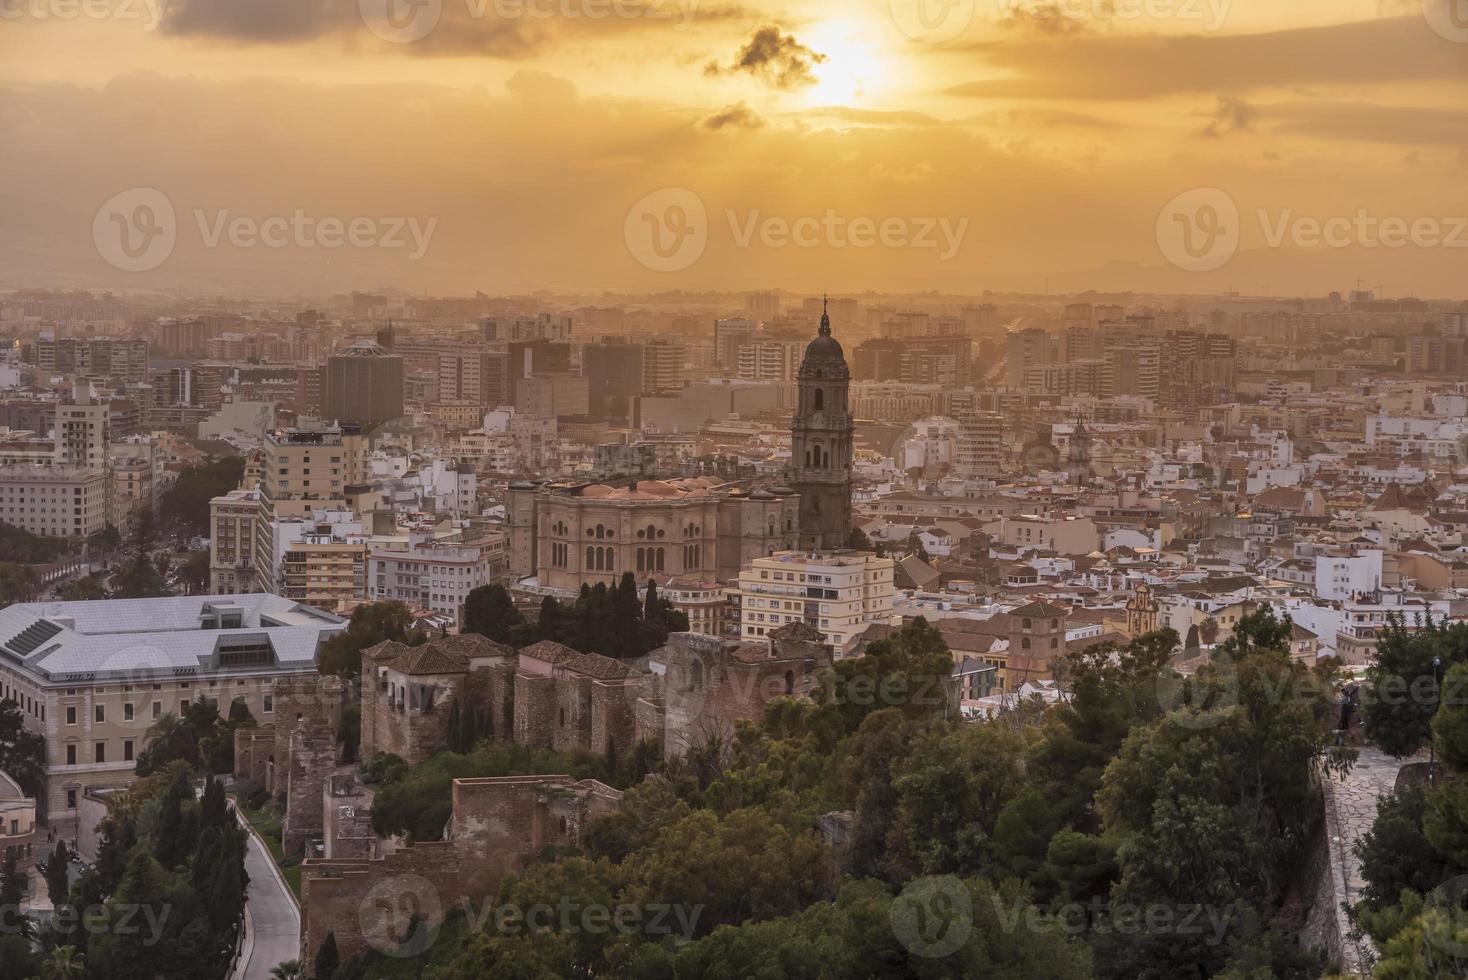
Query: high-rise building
x=821, y=437
x=730, y=335
x=662, y=366
x=364, y=385
x=878, y=360
x=614, y=377
x=1025, y=349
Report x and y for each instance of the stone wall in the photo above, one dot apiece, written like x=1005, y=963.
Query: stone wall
x=254, y=754
x=371, y=904
x=310, y=698
x=498, y=826
x=312, y=757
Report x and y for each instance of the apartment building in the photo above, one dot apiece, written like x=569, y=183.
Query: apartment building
x=55, y=501
x=91, y=677
x=838, y=593
x=437, y=576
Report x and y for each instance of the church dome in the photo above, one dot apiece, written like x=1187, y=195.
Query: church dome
x=825, y=351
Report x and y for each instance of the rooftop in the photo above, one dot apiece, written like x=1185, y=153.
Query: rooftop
x=176, y=637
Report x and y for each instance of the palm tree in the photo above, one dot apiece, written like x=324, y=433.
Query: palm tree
x=64, y=963
x=1208, y=632
x=289, y=970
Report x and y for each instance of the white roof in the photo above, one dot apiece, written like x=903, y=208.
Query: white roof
x=67, y=642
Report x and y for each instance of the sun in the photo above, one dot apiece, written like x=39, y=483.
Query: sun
x=853, y=72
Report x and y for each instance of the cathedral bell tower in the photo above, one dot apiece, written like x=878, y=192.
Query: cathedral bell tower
x=821, y=444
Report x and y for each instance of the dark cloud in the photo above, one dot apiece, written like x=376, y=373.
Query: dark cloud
x=738, y=115
x=1233, y=115
x=1124, y=67
x=774, y=57
x=260, y=20
x=461, y=27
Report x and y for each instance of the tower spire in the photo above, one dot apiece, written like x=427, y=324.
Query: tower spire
x=825, y=315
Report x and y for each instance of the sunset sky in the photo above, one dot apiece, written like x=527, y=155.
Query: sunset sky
x=1045, y=139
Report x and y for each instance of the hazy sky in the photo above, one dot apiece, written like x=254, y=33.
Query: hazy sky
x=509, y=145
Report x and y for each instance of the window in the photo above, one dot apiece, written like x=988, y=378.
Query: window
x=71, y=799
x=157, y=709
x=71, y=755
x=71, y=714
x=269, y=703
x=100, y=750
x=127, y=750
x=127, y=712
x=100, y=711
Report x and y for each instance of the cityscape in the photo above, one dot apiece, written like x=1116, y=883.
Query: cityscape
x=657, y=490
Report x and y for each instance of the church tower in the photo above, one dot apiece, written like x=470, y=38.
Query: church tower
x=1080, y=455
x=821, y=444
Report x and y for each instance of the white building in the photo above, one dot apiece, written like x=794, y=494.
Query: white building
x=91, y=677
x=1341, y=577
x=55, y=501
x=838, y=593
x=433, y=576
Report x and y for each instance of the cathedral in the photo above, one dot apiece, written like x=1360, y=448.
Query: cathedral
x=821, y=435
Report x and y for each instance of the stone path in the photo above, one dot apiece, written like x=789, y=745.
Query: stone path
x=1350, y=809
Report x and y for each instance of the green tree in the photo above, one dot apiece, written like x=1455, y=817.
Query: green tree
x=1403, y=682
x=58, y=877
x=371, y=623
x=288, y=970
x=489, y=611
x=184, y=509
x=64, y=963
x=194, y=572
x=22, y=752
x=139, y=578
x=103, y=544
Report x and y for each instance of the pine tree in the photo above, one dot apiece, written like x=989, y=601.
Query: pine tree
x=455, y=744
x=58, y=879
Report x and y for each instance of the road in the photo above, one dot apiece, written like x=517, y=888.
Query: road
x=273, y=920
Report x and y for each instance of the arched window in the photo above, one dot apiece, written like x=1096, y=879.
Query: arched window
x=695, y=676
x=1024, y=644
x=789, y=682
x=820, y=400
x=642, y=559
x=660, y=559
x=590, y=557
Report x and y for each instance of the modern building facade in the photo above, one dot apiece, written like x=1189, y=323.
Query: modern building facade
x=91, y=677
x=364, y=385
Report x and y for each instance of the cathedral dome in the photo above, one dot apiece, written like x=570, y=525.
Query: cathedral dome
x=825, y=352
